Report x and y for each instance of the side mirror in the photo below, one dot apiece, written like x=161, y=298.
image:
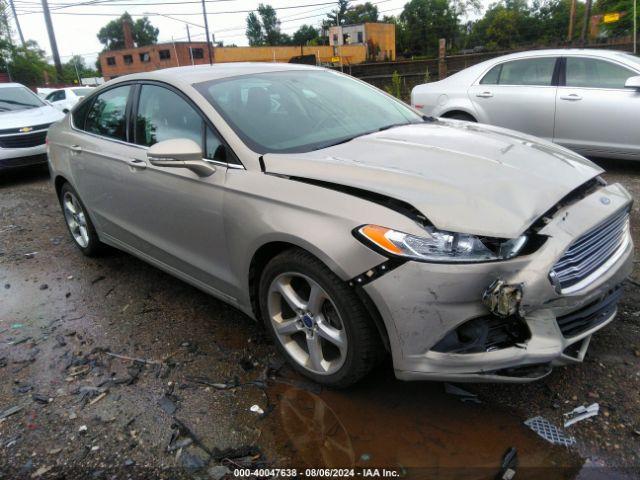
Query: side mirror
x=633, y=82
x=179, y=153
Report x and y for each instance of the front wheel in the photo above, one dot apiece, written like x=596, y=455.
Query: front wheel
x=317, y=321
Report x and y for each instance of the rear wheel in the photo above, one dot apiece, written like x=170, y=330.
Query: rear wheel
x=317, y=321
x=461, y=116
x=78, y=222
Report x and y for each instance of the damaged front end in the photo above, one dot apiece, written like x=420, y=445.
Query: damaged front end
x=509, y=321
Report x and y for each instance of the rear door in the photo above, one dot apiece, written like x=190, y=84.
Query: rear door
x=103, y=159
x=518, y=94
x=595, y=113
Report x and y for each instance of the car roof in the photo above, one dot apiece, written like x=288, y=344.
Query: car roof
x=202, y=73
x=7, y=85
x=599, y=52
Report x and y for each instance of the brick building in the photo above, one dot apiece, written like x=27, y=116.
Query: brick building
x=115, y=63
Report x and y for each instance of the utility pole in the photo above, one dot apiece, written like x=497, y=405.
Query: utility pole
x=52, y=37
x=75, y=64
x=188, y=34
x=206, y=29
x=635, y=26
x=585, y=26
x=15, y=16
x=572, y=18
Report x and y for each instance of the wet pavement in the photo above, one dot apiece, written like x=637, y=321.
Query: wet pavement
x=118, y=370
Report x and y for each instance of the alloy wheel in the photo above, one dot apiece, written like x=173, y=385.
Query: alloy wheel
x=307, y=323
x=76, y=219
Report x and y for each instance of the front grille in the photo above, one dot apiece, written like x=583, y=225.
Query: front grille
x=588, y=252
x=590, y=316
x=25, y=140
x=43, y=126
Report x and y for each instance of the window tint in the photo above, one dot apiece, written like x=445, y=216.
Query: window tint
x=79, y=114
x=531, y=71
x=56, y=96
x=491, y=78
x=163, y=115
x=107, y=116
x=214, y=149
x=588, y=72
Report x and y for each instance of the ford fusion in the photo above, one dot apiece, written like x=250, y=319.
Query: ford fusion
x=349, y=224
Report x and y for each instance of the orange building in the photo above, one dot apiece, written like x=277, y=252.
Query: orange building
x=380, y=39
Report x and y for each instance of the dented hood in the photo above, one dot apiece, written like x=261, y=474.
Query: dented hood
x=462, y=176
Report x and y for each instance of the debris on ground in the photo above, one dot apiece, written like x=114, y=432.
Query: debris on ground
x=508, y=465
x=581, y=413
x=257, y=409
x=549, y=432
x=10, y=411
x=461, y=393
x=218, y=472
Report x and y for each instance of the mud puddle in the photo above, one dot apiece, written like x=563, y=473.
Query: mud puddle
x=413, y=428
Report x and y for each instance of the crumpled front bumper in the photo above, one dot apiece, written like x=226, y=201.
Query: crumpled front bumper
x=421, y=302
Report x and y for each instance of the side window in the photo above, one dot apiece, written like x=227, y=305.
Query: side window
x=107, y=115
x=530, y=71
x=491, y=78
x=592, y=73
x=163, y=115
x=56, y=96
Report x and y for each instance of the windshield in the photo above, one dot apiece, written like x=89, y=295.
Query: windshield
x=82, y=92
x=18, y=98
x=300, y=111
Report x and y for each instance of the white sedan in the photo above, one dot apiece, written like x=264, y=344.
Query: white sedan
x=586, y=100
x=65, y=98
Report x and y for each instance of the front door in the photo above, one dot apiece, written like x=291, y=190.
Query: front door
x=172, y=214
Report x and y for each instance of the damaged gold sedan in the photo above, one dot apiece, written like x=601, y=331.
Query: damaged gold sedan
x=347, y=222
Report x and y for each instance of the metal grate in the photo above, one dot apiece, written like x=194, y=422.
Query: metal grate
x=588, y=252
x=24, y=140
x=549, y=432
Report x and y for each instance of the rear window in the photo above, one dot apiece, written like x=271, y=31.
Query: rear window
x=529, y=71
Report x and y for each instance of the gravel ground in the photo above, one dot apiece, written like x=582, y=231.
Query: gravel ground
x=117, y=370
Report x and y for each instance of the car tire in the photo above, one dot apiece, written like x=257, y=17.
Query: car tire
x=79, y=224
x=341, y=311
x=461, y=116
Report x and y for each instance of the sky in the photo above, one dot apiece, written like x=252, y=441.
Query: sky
x=76, y=34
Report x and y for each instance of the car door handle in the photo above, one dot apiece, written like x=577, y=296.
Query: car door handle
x=137, y=163
x=76, y=148
x=573, y=97
x=484, y=95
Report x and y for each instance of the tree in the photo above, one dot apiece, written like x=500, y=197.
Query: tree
x=265, y=30
x=27, y=64
x=366, y=12
x=75, y=67
x=305, y=35
x=505, y=24
x=112, y=34
x=337, y=16
x=552, y=19
x=622, y=27
x=254, y=30
x=426, y=21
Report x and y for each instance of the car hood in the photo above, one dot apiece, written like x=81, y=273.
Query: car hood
x=29, y=117
x=464, y=177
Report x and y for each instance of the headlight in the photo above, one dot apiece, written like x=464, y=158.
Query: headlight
x=438, y=246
